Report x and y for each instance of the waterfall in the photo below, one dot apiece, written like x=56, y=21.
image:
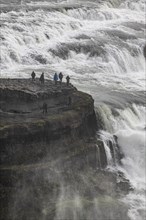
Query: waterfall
x=127, y=124
x=110, y=148
x=129, y=130
x=99, y=44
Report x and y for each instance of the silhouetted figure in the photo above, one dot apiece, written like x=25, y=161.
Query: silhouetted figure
x=42, y=78
x=69, y=101
x=144, y=51
x=55, y=78
x=60, y=77
x=33, y=75
x=67, y=80
x=45, y=108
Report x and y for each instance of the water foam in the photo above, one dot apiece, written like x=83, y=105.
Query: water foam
x=129, y=128
x=41, y=40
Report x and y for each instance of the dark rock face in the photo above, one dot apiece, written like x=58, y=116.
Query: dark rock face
x=47, y=160
x=31, y=141
x=26, y=134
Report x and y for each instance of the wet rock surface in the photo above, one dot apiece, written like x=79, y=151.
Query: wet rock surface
x=48, y=162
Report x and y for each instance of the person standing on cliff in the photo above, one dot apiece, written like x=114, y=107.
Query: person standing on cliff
x=42, y=78
x=55, y=78
x=67, y=80
x=60, y=77
x=33, y=75
x=45, y=108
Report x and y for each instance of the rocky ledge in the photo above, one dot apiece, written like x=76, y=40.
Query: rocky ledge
x=23, y=126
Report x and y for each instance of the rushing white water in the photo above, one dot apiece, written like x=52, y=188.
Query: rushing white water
x=129, y=127
x=103, y=44
x=100, y=45
x=132, y=142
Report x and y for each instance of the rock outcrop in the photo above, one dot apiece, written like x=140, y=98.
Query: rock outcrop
x=48, y=160
x=26, y=134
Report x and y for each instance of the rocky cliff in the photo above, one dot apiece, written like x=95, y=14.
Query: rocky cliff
x=26, y=134
x=49, y=157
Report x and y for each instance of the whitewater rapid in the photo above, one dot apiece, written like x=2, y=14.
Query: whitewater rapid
x=103, y=45
x=100, y=45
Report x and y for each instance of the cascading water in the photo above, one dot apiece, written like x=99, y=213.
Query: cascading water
x=129, y=128
x=100, y=45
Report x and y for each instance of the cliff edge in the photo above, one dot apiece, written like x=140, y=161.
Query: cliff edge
x=48, y=157
x=70, y=115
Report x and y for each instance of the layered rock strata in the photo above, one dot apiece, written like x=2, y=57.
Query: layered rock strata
x=26, y=134
x=43, y=155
